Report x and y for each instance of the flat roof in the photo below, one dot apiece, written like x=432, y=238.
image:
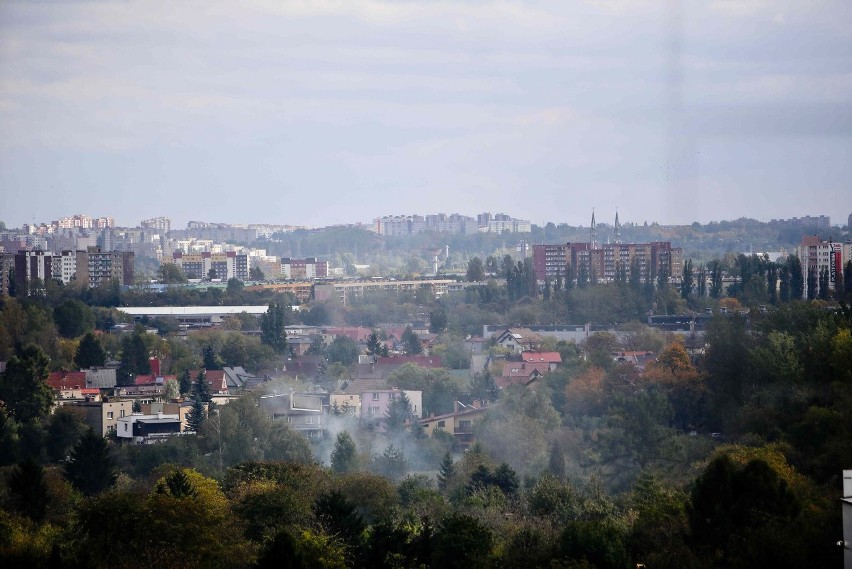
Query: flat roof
x=191, y=310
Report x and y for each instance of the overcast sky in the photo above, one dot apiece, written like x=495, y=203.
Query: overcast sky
x=316, y=113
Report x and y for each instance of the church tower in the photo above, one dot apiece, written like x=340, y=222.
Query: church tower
x=617, y=231
x=593, y=232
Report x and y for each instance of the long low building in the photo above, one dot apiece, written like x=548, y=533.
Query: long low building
x=192, y=314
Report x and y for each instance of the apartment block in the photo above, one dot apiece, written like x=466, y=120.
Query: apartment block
x=303, y=269
x=606, y=261
x=96, y=267
x=226, y=265
x=817, y=255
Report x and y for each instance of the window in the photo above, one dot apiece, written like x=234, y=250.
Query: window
x=109, y=414
x=125, y=426
x=309, y=420
x=442, y=423
x=375, y=396
x=122, y=413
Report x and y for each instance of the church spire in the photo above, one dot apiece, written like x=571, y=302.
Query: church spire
x=593, y=231
x=617, y=232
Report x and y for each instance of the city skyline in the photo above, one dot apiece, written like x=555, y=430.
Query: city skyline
x=329, y=113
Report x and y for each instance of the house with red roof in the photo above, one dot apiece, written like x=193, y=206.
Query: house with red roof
x=521, y=373
x=552, y=359
x=70, y=387
x=215, y=378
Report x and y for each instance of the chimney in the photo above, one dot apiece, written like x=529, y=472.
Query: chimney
x=455, y=406
x=159, y=414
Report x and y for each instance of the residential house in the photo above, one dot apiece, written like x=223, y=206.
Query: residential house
x=99, y=377
x=103, y=416
x=303, y=367
x=552, y=359
x=348, y=399
x=148, y=428
x=639, y=359
x=383, y=367
x=238, y=379
x=517, y=340
x=304, y=412
x=215, y=378
x=475, y=344
x=375, y=403
x=180, y=408
x=70, y=387
x=521, y=373
x=461, y=423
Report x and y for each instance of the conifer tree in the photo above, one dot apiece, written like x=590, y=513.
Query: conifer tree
x=209, y=357
x=90, y=353
x=273, y=324
x=201, y=388
x=344, y=456
x=446, y=472
x=91, y=467
x=28, y=489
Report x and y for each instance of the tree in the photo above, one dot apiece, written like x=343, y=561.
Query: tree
x=375, y=347
x=392, y=463
x=172, y=390
x=731, y=506
x=446, y=471
x=235, y=287
x=797, y=280
x=170, y=273
x=211, y=274
x=91, y=467
x=197, y=415
x=824, y=291
x=22, y=385
x=90, y=352
x=399, y=412
x=847, y=279
x=185, y=383
x=344, y=457
x=556, y=463
x=437, y=320
x=64, y=429
x=134, y=357
x=256, y=274
x=273, y=324
x=177, y=484
x=410, y=342
x=73, y=318
x=28, y=489
x=686, y=283
x=462, y=542
x=343, y=350
x=317, y=347
x=201, y=388
x=715, y=279
x=813, y=288
x=210, y=359
x=475, y=270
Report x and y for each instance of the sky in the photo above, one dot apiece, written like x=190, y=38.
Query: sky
x=324, y=112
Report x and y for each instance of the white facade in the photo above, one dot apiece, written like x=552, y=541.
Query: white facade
x=64, y=266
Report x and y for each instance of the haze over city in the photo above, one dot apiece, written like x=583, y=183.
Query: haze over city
x=338, y=112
